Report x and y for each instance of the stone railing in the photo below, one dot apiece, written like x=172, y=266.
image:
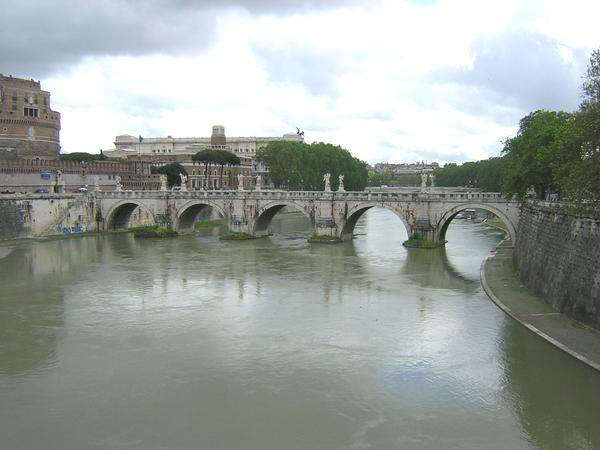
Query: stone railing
x=416, y=195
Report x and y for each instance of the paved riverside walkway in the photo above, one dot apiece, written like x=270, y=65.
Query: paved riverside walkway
x=501, y=284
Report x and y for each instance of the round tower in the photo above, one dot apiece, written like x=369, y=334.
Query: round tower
x=29, y=128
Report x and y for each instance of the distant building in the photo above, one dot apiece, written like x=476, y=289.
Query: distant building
x=29, y=128
x=406, y=169
x=163, y=150
x=127, y=145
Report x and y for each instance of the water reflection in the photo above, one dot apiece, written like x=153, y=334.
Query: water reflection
x=554, y=396
x=271, y=343
x=32, y=306
x=432, y=268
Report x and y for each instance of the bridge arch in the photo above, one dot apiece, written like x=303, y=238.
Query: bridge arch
x=119, y=215
x=355, y=213
x=444, y=222
x=186, y=214
x=265, y=215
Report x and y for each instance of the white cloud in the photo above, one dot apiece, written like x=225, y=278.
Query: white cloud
x=390, y=81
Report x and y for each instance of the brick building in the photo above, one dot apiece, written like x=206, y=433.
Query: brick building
x=29, y=128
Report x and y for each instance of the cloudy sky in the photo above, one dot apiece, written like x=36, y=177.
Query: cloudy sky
x=392, y=81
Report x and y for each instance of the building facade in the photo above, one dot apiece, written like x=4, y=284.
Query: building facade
x=127, y=145
x=29, y=128
x=164, y=150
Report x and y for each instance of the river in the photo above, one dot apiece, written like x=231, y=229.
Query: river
x=192, y=342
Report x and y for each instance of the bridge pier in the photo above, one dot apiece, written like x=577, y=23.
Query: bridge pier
x=422, y=234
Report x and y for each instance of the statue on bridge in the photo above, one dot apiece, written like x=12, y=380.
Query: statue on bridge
x=97, y=184
x=258, y=185
x=240, y=177
x=423, y=179
x=183, y=178
x=163, y=182
x=326, y=178
x=118, y=185
x=341, y=183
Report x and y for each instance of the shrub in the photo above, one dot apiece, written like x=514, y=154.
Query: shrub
x=152, y=231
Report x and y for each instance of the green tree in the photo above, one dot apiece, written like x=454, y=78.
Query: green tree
x=591, y=85
x=486, y=175
x=172, y=172
x=535, y=154
x=222, y=158
x=581, y=176
x=208, y=157
x=377, y=179
x=301, y=166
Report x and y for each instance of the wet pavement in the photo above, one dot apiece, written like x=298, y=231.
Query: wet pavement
x=499, y=280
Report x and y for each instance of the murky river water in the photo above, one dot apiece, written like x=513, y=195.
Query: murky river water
x=112, y=342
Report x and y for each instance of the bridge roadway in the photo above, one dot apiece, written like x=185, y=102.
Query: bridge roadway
x=426, y=212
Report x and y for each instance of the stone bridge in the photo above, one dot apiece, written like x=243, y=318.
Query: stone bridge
x=426, y=212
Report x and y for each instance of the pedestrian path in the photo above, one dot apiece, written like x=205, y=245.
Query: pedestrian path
x=501, y=284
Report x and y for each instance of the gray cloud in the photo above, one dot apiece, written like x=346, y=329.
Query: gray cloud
x=315, y=71
x=39, y=38
x=521, y=70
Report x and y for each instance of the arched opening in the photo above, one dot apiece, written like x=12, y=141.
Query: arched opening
x=127, y=215
x=197, y=215
x=473, y=213
x=356, y=213
x=292, y=218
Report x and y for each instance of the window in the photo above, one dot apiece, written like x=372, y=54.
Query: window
x=30, y=112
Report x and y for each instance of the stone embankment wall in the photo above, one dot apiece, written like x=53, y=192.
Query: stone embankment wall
x=24, y=216
x=557, y=255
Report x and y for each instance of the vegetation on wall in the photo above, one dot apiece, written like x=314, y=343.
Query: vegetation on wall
x=82, y=156
x=301, y=166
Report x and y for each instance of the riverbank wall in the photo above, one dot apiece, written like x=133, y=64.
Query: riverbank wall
x=557, y=256
x=26, y=216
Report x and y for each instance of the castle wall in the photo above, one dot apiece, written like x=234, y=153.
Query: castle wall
x=27, y=175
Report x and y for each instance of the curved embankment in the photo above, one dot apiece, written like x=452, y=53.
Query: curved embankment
x=502, y=286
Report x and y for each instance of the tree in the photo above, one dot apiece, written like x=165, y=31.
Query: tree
x=172, y=172
x=591, y=85
x=301, y=166
x=486, y=174
x=384, y=178
x=207, y=157
x=535, y=154
x=223, y=157
x=581, y=177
